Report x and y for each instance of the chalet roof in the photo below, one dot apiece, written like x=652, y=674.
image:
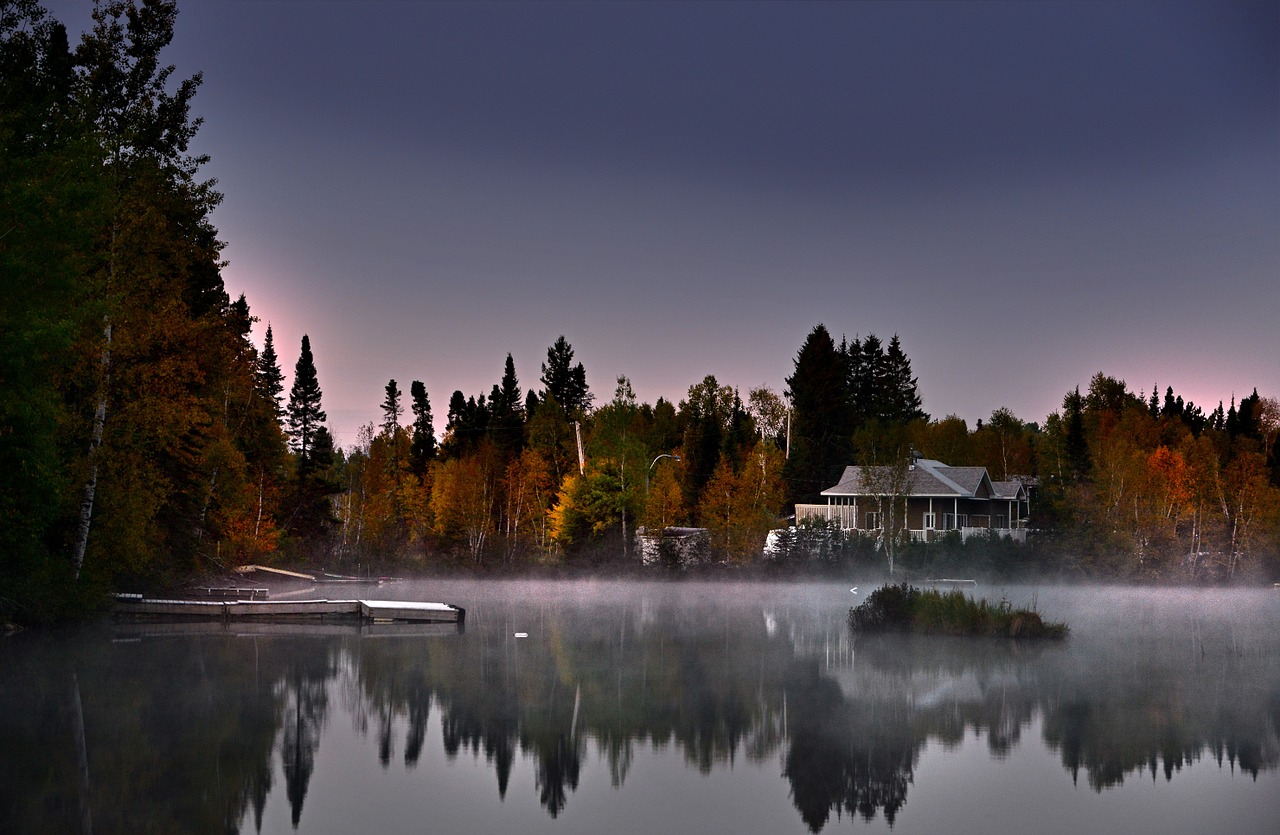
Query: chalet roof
x=926, y=478
x=1008, y=490
x=968, y=479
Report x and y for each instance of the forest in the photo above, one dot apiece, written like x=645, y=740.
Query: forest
x=145, y=439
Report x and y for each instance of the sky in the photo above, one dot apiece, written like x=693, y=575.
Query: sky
x=1025, y=193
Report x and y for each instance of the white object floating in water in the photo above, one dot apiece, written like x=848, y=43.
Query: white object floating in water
x=522, y=634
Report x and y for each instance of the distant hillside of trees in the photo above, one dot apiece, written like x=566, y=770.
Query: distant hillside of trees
x=144, y=439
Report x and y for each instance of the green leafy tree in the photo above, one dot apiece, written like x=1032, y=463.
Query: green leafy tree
x=1004, y=445
x=155, y=248
x=52, y=197
x=706, y=414
x=551, y=434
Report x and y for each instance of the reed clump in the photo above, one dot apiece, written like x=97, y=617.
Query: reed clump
x=905, y=608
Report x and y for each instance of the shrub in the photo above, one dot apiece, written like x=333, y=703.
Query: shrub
x=904, y=608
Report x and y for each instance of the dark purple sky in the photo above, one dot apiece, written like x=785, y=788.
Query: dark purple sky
x=1026, y=193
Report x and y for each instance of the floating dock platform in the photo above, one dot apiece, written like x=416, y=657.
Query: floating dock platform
x=137, y=606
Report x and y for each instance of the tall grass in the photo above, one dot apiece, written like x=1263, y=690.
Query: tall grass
x=905, y=608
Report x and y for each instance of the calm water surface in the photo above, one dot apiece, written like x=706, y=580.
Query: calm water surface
x=654, y=707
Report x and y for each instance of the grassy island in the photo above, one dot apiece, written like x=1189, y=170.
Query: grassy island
x=905, y=608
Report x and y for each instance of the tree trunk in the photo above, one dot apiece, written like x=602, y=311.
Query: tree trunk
x=95, y=443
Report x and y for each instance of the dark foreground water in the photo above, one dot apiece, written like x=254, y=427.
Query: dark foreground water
x=654, y=707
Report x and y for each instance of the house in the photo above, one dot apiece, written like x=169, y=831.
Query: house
x=926, y=498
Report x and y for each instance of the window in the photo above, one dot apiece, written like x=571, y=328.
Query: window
x=1000, y=522
x=930, y=521
x=873, y=521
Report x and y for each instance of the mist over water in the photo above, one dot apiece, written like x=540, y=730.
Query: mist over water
x=654, y=706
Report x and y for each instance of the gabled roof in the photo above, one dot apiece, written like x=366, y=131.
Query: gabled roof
x=1009, y=490
x=926, y=478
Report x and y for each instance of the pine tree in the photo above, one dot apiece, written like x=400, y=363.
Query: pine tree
x=506, y=415
x=822, y=419
x=423, y=450
x=902, y=395
x=1076, y=445
x=270, y=378
x=876, y=390
x=305, y=414
x=467, y=422
x=391, y=409
x=564, y=380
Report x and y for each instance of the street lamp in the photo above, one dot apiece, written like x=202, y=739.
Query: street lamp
x=651, y=463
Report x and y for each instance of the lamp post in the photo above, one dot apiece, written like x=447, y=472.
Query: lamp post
x=651, y=463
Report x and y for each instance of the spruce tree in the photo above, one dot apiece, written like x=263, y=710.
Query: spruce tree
x=822, y=417
x=874, y=381
x=506, y=416
x=391, y=409
x=903, y=403
x=467, y=422
x=509, y=391
x=423, y=449
x=1077, y=446
x=305, y=414
x=857, y=382
x=270, y=378
x=564, y=380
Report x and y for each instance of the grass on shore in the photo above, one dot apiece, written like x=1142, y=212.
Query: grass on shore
x=905, y=608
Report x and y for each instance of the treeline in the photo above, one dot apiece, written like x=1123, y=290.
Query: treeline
x=521, y=477
x=1122, y=485
x=1150, y=488
x=527, y=477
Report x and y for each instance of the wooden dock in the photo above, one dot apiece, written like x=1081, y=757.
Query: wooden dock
x=319, y=577
x=378, y=611
x=144, y=628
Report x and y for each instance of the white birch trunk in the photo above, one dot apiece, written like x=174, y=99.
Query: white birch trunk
x=95, y=443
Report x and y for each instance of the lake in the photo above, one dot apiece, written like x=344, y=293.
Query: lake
x=674, y=707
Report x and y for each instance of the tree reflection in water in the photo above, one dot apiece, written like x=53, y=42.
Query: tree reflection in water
x=191, y=749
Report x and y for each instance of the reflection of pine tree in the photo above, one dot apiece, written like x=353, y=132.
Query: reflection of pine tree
x=303, y=721
x=419, y=709
x=859, y=764
x=559, y=765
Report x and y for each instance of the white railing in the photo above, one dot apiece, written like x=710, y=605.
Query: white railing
x=841, y=515
x=844, y=517
x=1016, y=534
